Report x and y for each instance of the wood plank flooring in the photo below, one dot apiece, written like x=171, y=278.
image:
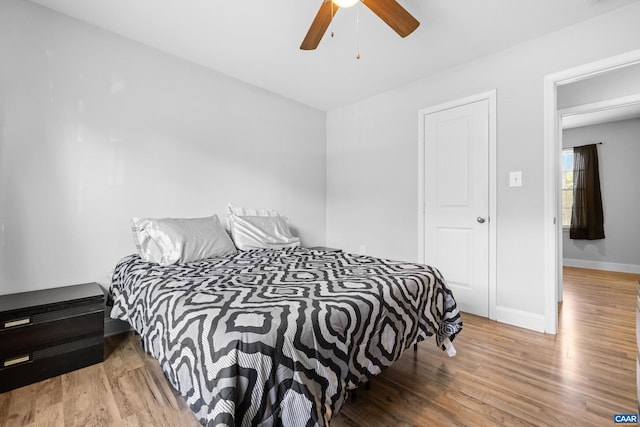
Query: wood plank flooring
x=502, y=375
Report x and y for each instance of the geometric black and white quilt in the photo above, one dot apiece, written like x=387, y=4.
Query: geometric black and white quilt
x=278, y=337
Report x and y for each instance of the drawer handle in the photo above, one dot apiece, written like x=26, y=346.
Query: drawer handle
x=19, y=322
x=16, y=360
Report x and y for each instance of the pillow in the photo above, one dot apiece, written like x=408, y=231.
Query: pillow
x=178, y=240
x=260, y=229
x=261, y=232
x=242, y=211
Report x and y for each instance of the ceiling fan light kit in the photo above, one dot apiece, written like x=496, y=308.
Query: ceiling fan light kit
x=390, y=11
x=345, y=3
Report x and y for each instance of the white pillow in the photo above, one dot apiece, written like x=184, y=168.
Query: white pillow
x=260, y=229
x=242, y=211
x=178, y=240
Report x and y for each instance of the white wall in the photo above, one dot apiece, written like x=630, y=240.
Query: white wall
x=97, y=128
x=618, y=159
x=372, y=151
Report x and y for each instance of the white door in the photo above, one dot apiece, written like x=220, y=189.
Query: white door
x=457, y=201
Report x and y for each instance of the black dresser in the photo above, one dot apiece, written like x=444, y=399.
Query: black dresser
x=49, y=332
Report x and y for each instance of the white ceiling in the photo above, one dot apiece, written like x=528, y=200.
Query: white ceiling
x=258, y=41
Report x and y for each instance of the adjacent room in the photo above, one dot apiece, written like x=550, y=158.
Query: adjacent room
x=355, y=213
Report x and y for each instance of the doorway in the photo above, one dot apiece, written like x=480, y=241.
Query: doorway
x=552, y=149
x=613, y=125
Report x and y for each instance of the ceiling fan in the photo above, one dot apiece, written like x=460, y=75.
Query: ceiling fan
x=390, y=11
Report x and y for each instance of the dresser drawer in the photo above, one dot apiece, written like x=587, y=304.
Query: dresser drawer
x=30, y=367
x=44, y=329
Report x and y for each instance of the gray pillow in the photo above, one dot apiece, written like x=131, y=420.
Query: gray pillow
x=168, y=241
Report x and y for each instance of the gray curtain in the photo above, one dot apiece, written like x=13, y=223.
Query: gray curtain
x=587, y=219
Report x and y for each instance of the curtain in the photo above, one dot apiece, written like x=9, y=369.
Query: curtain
x=587, y=219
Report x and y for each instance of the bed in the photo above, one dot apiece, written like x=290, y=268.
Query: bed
x=279, y=337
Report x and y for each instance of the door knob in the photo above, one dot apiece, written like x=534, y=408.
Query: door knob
x=481, y=219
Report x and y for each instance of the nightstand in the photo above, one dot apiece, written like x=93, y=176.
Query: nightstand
x=49, y=332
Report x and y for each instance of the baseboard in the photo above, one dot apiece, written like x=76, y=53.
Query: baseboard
x=599, y=265
x=522, y=319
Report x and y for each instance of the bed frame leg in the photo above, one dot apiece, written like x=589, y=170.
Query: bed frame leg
x=415, y=347
x=354, y=395
x=367, y=385
x=139, y=337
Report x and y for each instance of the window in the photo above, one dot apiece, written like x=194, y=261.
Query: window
x=567, y=186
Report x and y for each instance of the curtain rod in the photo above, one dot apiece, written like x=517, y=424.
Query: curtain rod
x=574, y=146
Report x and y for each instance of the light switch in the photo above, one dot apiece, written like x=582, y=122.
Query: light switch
x=515, y=179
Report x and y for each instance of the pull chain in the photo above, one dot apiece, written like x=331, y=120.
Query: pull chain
x=358, y=31
x=332, y=15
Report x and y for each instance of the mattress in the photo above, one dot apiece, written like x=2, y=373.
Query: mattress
x=279, y=337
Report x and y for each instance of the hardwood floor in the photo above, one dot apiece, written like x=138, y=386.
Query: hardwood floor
x=507, y=376
x=502, y=375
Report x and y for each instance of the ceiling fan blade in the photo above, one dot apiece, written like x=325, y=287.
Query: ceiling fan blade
x=319, y=25
x=396, y=16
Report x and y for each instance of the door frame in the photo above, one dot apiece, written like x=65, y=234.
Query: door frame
x=490, y=96
x=552, y=152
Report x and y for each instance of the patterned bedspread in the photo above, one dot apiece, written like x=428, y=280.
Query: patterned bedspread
x=278, y=337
